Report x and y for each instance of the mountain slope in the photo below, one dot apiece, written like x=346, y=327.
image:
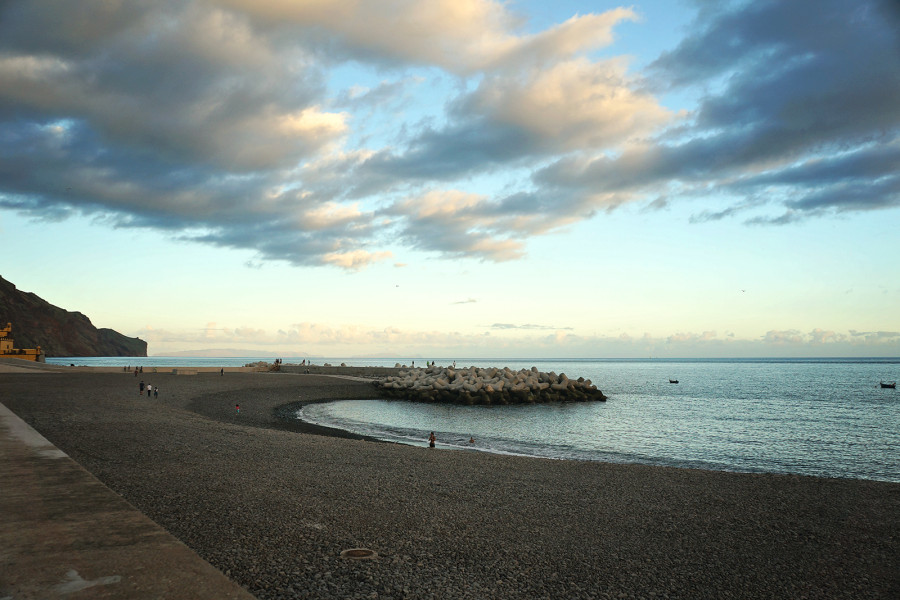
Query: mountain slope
x=59, y=332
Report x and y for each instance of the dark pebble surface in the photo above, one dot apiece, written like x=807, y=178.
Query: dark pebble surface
x=272, y=502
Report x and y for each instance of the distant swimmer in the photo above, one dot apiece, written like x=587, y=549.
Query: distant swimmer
x=471, y=440
x=431, y=440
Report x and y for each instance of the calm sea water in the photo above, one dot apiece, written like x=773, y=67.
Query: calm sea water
x=827, y=418
x=822, y=417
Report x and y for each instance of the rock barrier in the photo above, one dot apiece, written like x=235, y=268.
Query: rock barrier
x=487, y=386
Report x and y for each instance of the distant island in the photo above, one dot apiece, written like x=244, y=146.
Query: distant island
x=57, y=331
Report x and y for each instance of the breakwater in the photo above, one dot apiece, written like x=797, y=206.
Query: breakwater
x=368, y=372
x=474, y=385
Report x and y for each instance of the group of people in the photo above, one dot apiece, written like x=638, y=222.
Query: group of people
x=151, y=391
x=432, y=440
x=430, y=363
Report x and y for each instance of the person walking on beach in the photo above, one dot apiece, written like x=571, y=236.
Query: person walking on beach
x=237, y=408
x=141, y=388
x=431, y=440
x=156, y=392
x=149, y=390
x=222, y=372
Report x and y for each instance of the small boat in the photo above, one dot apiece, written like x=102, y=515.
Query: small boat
x=673, y=381
x=889, y=384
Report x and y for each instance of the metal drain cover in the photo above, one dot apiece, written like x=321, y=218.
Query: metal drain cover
x=359, y=554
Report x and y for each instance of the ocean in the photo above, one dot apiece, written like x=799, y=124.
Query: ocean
x=820, y=417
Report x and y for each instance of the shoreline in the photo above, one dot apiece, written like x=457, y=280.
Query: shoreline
x=282, y=418
x=273, y=505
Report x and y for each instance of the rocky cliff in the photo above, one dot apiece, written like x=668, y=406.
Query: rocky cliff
x=59, y=332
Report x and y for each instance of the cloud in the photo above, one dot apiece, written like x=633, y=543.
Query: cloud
x=232, y=123
x=306, y=337
x=790, y=336
x=211, y=119
x=190, y=85
x=529, y=327
x=512, y=118
x=455, y=223
x=462, y=36
x=356, y=259
x=691, y=337
x=820, y=337
x=572, y=105
x=793, y=112
x=517, y=340
x=876, y=336
x=173, y=116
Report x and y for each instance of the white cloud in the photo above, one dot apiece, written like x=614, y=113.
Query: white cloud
x=221, y=117
x=576, y=104
x=329, y=215
x=312, y=122
x=579, y=33
x=462, y=36
x=516, y=340
x=354, y=259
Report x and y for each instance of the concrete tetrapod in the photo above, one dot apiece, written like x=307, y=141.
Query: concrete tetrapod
x=473, y=385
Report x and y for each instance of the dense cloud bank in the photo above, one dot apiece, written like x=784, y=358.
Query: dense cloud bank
x=230, y=122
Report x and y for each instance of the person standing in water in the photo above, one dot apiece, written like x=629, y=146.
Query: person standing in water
x=431, y=440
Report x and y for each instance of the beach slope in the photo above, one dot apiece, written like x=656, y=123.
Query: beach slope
x=272, y=504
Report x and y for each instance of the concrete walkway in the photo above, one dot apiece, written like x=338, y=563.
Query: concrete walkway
x=63, y=534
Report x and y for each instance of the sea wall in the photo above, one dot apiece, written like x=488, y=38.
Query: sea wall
x=473, y=385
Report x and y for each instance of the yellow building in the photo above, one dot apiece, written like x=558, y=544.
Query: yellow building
x=7, y=350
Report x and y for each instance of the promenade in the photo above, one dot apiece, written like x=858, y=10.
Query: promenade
x=62, y=532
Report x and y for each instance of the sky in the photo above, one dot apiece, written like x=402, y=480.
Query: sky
x=459, y=178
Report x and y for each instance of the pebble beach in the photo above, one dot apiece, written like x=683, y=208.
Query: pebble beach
x=273, y=502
